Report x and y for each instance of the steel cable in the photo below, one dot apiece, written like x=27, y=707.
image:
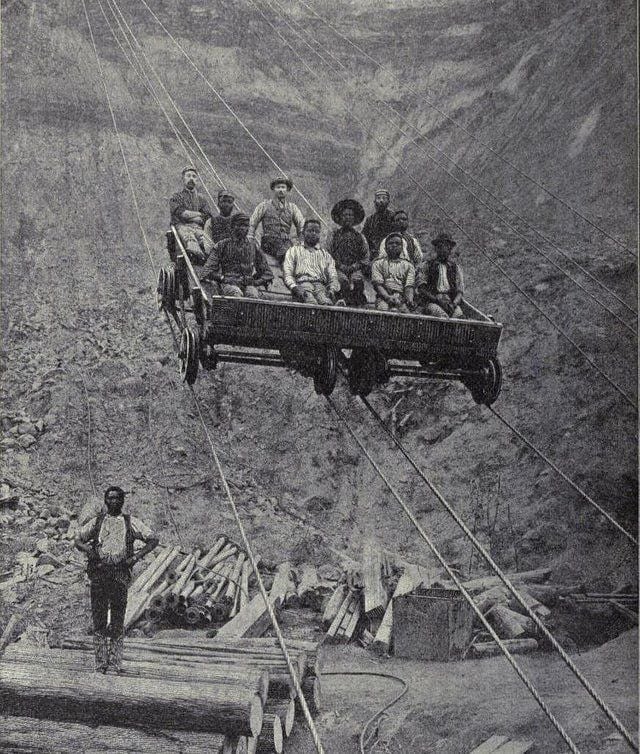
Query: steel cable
x=470, y=134
x=214, y=455
x=482, y=250
x=372, y=104
x=453, y=576
x=507, y=582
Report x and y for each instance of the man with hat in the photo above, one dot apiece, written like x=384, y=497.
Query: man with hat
x=350, y=250
x=277, y=215
x=221, y=224
x=440, y=286
x=236, y=264
x=393, y=278
x=107, y=540
x=411, y=249
x=380, y=223
x=309, y=271
x=191, y=216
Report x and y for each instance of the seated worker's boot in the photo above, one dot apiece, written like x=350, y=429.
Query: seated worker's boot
x=116, y=650
x=101, y=651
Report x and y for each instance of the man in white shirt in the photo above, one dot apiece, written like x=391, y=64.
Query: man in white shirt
x=107, y=540
x=411, y=249
x=309, y=271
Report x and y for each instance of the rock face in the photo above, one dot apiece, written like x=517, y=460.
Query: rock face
x=90, y=363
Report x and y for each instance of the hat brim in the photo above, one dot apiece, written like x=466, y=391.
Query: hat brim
x=287, y=182
x=353, y=204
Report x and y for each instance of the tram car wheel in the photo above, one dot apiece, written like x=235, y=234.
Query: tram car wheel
x=166, y=290
x=366, y=369
x=325, y=376
x=486, y=384
x=188, y=356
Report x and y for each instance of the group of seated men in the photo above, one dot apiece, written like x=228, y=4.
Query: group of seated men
x=227, y=257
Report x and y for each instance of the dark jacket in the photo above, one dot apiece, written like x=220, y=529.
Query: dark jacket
x=348, y=247
x=237, y=263
x=187, y=200
x=428, y=277
x=376, y=227
x=220, y=228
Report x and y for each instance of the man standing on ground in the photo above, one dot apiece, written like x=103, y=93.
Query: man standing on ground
x=411, y=249
x=236, y=263
x=393, y=278
x=440, y=285
x=221, y=224
x=108, y=541
x=309, y=271
x=191, y=216
x=277, y=215
x=378, y=225
x=350, y=251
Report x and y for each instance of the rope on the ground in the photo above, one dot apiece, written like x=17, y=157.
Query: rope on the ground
x=469, y=133
x=482, y=250
x=380, y=712
x=561, y=474
x=456, y=580
x=230, y=109
x=302, y=31
x=507, y=582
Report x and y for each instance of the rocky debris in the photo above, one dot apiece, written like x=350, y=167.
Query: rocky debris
x=20, y=430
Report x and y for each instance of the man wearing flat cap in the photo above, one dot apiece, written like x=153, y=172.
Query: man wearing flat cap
x=191, y=216
x=380, y=223
x=440, y=285
x=221, y=224
x=236, y=264
x=350, y=251
x=277, y=215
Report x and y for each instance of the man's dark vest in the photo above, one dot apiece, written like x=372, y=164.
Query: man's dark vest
x=94, y=560
x=277, y=221
x=431, y=277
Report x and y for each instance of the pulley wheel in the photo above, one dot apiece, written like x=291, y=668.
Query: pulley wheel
x=324, y=378
x=362, y=372
x=188, y=356
x=486, y=385
x=160, y=289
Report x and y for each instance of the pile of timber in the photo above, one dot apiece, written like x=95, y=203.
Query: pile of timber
x=193, y=589
x=215, y=696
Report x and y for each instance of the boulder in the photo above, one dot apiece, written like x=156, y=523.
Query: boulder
x=26, y=441
x=27, y=428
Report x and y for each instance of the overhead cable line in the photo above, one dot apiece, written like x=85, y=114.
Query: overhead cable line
x=228, y=107
x=377, y=105
x=190, y=153
x=456, y=580
x=470, y=134
x=482, y=250
x=269, y=607
x=505, y=579
x=561, y=474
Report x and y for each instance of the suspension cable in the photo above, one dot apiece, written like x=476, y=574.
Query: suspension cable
x=228, y=107
x=561, y=474
x=377, y=105
x=453, y=576
x=214, y=455
x=470, y=134
x=506, y=581
x=142, y=52
x=482, y=250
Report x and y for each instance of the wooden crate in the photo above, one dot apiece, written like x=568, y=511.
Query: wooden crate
x=434, y=625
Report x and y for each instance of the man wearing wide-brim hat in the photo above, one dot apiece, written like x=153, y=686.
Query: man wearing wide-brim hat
x=191, y=217
x=350, y=250
x=277, y=215
x=440, y=284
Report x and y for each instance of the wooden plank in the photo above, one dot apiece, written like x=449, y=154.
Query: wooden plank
x=333, y=605
x=340, y=614
x=514, y=747
x=490, y=745
x=375, y=595
x=537, y=576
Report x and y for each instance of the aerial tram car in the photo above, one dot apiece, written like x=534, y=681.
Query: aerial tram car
x=367, y=345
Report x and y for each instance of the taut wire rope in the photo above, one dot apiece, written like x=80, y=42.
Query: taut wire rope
x=505, y=579
x=470, y=134
x=281, y=641
x=228, y=107
x=453, y=576
x=375, y=105
x=482, y=250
